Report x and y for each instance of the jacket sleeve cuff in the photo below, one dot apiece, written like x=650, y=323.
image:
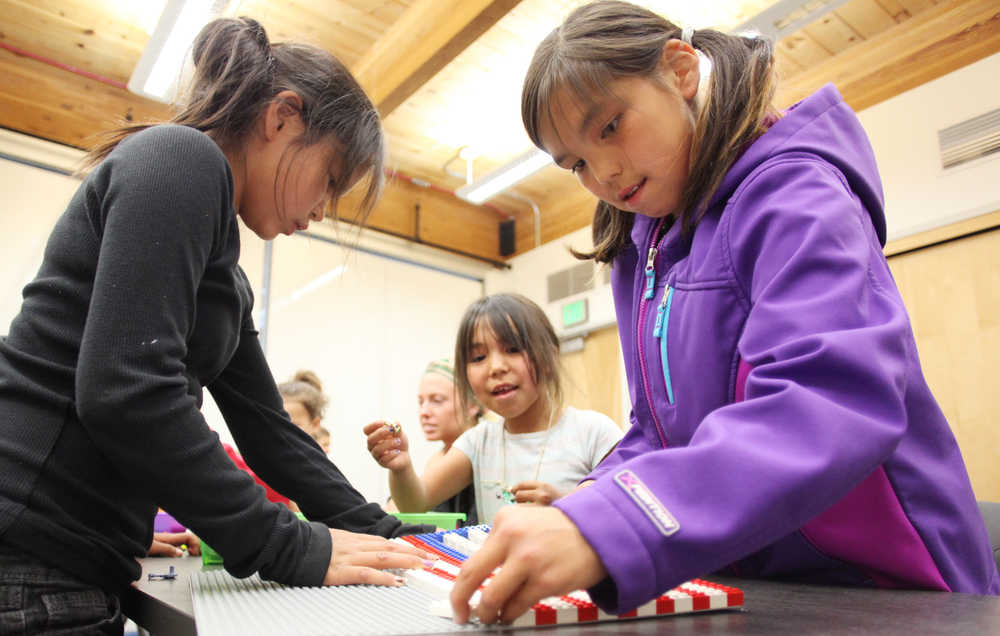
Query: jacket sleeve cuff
x=316, y=561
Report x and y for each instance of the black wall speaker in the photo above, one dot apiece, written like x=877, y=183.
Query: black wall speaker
x=507, y=237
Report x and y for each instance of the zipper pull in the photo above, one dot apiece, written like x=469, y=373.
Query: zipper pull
x=650, y=273
x=660, y=310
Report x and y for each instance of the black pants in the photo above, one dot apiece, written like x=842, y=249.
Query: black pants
x=36, y=598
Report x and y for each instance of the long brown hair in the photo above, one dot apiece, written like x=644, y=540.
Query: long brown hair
x=515, y=321
x=238, y=73
x=605, y=41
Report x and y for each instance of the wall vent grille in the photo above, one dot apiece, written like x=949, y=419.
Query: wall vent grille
x=970, y=139
x=573, y=280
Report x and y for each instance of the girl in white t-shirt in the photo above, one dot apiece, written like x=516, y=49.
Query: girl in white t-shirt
x=507, y=357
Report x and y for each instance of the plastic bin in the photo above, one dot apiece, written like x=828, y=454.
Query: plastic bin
x=446, y=520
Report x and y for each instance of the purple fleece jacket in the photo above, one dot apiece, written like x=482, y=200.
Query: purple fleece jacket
x=781, y=425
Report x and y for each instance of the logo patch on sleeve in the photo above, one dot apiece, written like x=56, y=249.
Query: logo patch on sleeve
x=647, y=502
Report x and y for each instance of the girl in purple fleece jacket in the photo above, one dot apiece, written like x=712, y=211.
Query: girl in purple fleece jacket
x=781, y=425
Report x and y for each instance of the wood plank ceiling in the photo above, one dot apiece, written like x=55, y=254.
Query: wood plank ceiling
x=446, y=74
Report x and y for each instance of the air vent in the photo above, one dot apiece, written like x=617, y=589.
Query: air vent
x=787, y=16
x=576, y=279
x=970, y=139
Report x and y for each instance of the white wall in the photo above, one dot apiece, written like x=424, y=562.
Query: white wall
x=919, y=194
x=32, y=199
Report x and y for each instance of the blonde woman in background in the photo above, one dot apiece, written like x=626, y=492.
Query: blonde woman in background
x=443, y=419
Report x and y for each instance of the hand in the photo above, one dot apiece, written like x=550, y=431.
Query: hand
x=537, y=492
x=390, y=450
x=542, y=553
x=165, y=544
x=360, y=558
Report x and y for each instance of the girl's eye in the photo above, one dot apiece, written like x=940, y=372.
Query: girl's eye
x=477, y=358
x=513, y=349
x=611, y=128
x=577, y=167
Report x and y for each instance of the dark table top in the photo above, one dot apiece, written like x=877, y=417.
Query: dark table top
x=164, y=608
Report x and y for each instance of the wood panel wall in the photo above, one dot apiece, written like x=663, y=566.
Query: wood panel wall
x=952, y=292
x=592, y=377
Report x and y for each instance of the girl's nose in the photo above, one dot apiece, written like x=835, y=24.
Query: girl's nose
x=605, y=171
x=498, y=364
x=317, y=213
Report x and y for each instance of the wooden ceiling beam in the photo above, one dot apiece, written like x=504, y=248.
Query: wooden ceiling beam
x=429, y=35
x=431, y=217
x=933, y=43
x=64, y=107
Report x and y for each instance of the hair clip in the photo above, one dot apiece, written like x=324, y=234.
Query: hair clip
x=394, y=427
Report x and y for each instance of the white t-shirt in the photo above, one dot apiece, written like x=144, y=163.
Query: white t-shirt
x=576, y=443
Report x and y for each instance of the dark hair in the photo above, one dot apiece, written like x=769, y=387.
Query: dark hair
x=238, y=73
x=306, y=389
x=605, y=41
x=515, y=321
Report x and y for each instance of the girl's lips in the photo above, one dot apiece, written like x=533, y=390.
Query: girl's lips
x=503, y=390
x=628, y=195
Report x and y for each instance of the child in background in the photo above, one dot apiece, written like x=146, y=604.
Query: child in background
x=140, y=304
x=781, y=424
x=507, y=358
x=304, y=401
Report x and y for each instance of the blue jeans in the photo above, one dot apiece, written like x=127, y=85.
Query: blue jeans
x=36, y=598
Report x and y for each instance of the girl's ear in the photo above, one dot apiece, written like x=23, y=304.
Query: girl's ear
x=679, y=61
x=283, y=115
x=315, y=423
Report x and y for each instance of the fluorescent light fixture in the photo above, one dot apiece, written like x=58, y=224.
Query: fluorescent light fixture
x=505, y=176
x=162, y=65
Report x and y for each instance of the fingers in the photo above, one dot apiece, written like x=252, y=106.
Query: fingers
x=474, y=571
x=503, y=588
x=346, y=543
x=384, y=442
x=522, y=600
x=163, y=549
x=354, y=575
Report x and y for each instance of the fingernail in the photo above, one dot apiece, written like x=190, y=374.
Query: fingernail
x=400, y=581
x=429, y=564
x=395, y=452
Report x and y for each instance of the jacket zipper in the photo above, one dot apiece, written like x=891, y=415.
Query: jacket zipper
x=660, y=331
x=650, y=273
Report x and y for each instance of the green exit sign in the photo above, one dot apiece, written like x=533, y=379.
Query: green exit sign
x=574, y=313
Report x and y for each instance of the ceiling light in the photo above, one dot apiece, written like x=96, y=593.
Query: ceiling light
x=505, y=176
x=162, y=65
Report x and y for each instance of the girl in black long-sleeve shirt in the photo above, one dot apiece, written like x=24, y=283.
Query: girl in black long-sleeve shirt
x=140, y=302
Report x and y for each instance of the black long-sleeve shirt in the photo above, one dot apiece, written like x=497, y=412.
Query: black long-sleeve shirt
x=138, y=304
